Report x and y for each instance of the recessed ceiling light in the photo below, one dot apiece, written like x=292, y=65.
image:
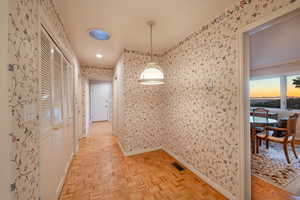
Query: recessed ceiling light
x=99, y=34
x=99, y=55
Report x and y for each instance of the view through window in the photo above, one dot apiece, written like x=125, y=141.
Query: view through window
x=293, y=92
x=265, y=93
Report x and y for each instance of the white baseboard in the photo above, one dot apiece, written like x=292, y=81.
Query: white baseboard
x=216, y=186
x=62, y=181
x=77, y=148
x=121, y=147
x=131, y=153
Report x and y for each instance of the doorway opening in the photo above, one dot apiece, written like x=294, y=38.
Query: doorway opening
x=270, y=102
x=101, y=101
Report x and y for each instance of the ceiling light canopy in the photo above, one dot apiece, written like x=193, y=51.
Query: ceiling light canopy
x=152, y=74
x=99, y=34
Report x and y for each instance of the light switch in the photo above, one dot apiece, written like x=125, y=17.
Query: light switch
x=30, y=112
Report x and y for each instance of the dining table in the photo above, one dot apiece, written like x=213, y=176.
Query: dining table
x=262, y=121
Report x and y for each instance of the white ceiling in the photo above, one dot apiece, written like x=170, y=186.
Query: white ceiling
x=278, y=43
x=126, y=20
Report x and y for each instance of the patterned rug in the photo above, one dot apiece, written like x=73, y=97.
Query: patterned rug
x=271, y=165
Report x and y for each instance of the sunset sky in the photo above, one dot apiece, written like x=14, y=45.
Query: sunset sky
x=292, y=91
x=271, y=88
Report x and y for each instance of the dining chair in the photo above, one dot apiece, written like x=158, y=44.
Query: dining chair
x=261, y=112
x=289, y=136
x=253, y=139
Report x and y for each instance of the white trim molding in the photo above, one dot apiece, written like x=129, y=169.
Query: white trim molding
x=121, y=147
x=136, y=152
x=62, y=181
x=216, y=186
x=132, y=153
x=213, y=184
x=244, y=104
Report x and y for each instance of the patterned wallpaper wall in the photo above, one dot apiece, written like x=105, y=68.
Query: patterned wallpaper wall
x=198, y=126
x=23, y=51
x=97, y=73
x=141, y=117
x=202, y=126
x=24, y=89
x=85, y=109
x=117, y=122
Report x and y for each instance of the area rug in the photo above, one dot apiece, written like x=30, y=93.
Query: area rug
x=271, y=165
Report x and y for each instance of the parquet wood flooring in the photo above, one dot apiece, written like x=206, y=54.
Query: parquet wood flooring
x=262, y=190
x=101, y=172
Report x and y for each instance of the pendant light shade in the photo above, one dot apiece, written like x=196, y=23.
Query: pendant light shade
x=152, y=74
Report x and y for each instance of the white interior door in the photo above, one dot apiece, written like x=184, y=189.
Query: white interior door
x=101, y=101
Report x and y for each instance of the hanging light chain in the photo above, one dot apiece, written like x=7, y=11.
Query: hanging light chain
x=152, y=74
x=151, y=27
x=151, y=24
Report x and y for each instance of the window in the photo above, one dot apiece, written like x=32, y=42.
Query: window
x=265, y=93
x=277, y=92
x=293, y=92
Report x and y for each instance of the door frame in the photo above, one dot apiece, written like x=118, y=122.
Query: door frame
x=91, y=83
x=244, y=102
x=5, y=117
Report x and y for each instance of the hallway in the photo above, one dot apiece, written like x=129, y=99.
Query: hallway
x=100, y=171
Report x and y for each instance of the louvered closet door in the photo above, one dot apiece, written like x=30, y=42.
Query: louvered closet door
x=57, y=135
x=57, y=99
x=45, y=85
x=71, y=92
x=65, y=91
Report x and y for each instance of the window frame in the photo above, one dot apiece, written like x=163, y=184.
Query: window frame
x=283, y=90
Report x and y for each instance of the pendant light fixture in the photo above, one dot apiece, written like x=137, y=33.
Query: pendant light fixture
x=152, y=74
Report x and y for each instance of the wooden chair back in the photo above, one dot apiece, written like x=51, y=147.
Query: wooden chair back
x=261, y=112
x=292, y=125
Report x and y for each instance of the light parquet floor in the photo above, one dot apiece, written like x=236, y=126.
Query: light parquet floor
x=101, y=172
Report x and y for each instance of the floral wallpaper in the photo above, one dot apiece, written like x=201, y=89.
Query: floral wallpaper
x=118, y=98
x=141, y=118
x=85, y=112
x=97, y=73
x=23, y=51
x=197, y=125
x=201, y=126
x=24, y=90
